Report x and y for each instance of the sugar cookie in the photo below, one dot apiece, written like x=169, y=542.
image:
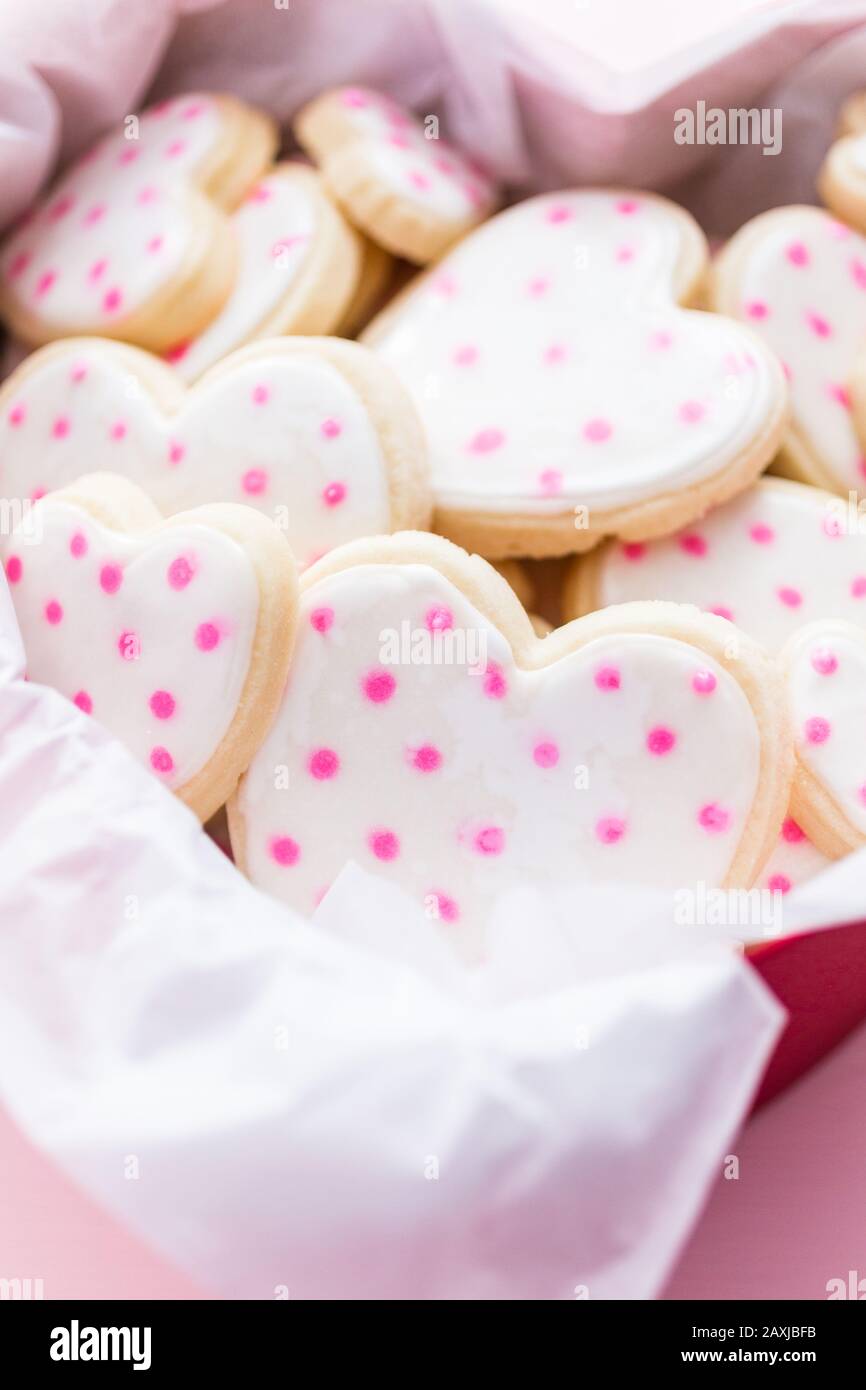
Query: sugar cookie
x=412, y=194
x=133, y=242
x=174, y=634
x=428, y=734
x=798, y=277
x=566, y=391
x=771, y=560
x=825, y=665
x=842, y=176
x=299, y=267
x=316, y=433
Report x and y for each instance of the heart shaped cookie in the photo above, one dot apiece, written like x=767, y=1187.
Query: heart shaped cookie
x=174, y=634
x=314, y=432
x=771, y=560
x=798, y=277
x=825, y=665
x=428, y=734
x=299, y=264
x=566, y=392
x=133, y=242
x=397, y=180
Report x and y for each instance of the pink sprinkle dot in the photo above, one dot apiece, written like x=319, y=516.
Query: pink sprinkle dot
x=792, y=598
x=379, y=686
x=609, y=829
x=321, y=619
x=148, y=194
x=557, y=352
x=331, y=429
x=94, y=214
x=660, y=740
x=634, y=551
x=465, y=356
x=53, y=612
x=495, y=685
x=661, y=340
x=83, y=701
x=597, y=431
x=791, y=831
x=607, y=678
x=545, y=754
x=559, y=212
x=840, y=394
x=626, y=207
x=384, y=844
x=180, y=572
x=178, y=352
x=722, y=612
x=323, y=764
x=129, y=646
x=832, y=526
x=254, y=482
x=260, y=395
x=490, y=840
x=162, y=704
x=762, y=534
x=37, y=493
x=691, y=412
x=797, y=253
x=161, y=760
x=816, y=729
x=818, y=324
x=779, y=883
x=176, y=451
x=334, y=494
x=19, y=264
x=155, y=244
x=858, y=586
x=624, y=254
x=693, y=544
x=714, y=817
x=118, y=430
x=60, y=428
x=824, y=661
x=703, y=682
x=14, y=569
x=207, y=636
x=97, y=270
x=756, y=309
x=485, y=441
x=858, y=273
x=112, y=300
x=128, y=156
x=538, y=286
x=45, y=282
x=419, y=180
x=284, y=851
x=550, y=482
x=110, y=578
x=446, y=908
x=438, y=619
x=78, y=544
x=17, y=416
x=174, y=149
x=426, y=758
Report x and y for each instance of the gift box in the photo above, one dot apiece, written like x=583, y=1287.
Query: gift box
x=161, y=1018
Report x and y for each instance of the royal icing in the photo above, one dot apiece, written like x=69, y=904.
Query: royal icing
x=461, y=776
x=553, y=368
x=152, y=635
x=778, y=556
x=793, y=861
x=283, y=431
x=421, y=169
x=798, y=277
x=275, y=230
x=117, y=226
x=826, y=676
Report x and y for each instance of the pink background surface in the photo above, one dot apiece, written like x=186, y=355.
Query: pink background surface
x=794, y=1219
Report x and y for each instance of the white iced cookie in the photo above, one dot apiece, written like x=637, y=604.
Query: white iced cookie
x=773, y=559
x=798, y=277
x=174, y=634
x=133, y=241
x=316, y=433
x=298, y=270
x=825, y=664
x=426, y=733
x=567, y=392
x=412, y=194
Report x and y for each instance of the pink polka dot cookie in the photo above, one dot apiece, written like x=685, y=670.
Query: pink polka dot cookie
x=566, y=390
x=317, y=433
x=825, y=665
x=407, y=189
x=793, y=862
x=176, y=635
x=133, y=241
x=427, y=734
x=771, y=560
x=299, y=266
x=797, y=276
